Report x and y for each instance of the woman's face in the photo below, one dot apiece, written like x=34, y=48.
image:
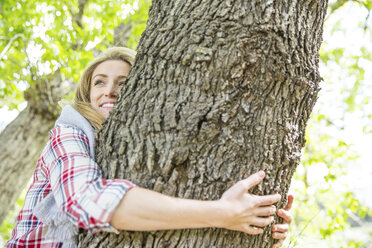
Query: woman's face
x=107, y=80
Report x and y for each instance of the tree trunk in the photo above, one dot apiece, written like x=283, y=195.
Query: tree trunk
x=220, y=89
x=22, y=141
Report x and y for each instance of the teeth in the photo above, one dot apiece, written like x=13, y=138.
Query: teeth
x=108, y=105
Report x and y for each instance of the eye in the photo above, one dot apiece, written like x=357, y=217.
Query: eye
x=121, y=83
x=98, y=82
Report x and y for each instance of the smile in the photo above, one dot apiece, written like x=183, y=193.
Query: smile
x=107, y=105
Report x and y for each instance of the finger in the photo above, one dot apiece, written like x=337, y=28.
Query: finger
x=280, y=228
x=286, y=215
x=266, y=200
x=278, y=235
x=254, y=230
x=252, y=180
x=265, y=211
x=290, y=201
x=262, y=221
x=278, y=244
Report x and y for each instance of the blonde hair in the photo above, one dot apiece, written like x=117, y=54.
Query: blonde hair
x=82, y=96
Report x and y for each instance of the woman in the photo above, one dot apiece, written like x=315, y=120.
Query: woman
x=68, y=190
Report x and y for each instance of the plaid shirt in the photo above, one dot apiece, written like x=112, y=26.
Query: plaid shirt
x=66, y=170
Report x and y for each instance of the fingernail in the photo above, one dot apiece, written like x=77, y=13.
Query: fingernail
x=261, y=173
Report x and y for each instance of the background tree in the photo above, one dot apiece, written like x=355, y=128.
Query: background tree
x=219, y=90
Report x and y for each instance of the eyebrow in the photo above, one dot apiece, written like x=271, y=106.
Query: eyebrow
x=104, y=75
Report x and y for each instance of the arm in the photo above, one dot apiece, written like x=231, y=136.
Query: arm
x=145, y=210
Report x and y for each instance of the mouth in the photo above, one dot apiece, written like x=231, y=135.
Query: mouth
x=107, y=105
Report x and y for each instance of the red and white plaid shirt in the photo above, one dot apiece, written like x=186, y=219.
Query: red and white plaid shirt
x=66, y=170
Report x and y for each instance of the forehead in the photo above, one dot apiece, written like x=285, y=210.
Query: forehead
x=112, y=67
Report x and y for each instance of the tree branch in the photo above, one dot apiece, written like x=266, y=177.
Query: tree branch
x=365, y=25
x=77, y=17
x=2, y=54
x=122, y=33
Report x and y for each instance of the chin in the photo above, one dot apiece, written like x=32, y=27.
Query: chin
x=105, y=114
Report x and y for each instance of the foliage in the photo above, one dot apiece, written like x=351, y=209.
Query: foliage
x=40, y=37
x=326, y=208
x=323, y=202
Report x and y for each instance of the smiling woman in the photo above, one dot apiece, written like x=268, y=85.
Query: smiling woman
x=107, y=80
x=95, y=77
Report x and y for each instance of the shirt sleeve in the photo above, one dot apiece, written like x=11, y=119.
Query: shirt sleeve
x=76, y=181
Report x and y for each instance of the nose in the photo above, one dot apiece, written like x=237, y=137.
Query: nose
x=112, y=90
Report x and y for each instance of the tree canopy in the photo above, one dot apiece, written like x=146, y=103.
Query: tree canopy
x=41, y=37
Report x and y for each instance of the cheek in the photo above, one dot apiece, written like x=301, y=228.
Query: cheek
x=93, y=97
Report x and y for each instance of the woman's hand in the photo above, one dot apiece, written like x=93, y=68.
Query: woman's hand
x=280, y=231
x=246, y=212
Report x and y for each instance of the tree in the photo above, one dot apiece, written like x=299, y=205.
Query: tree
x=61, y=32
x=219, y=90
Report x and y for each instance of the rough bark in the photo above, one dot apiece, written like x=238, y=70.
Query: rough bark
x=219, y=90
